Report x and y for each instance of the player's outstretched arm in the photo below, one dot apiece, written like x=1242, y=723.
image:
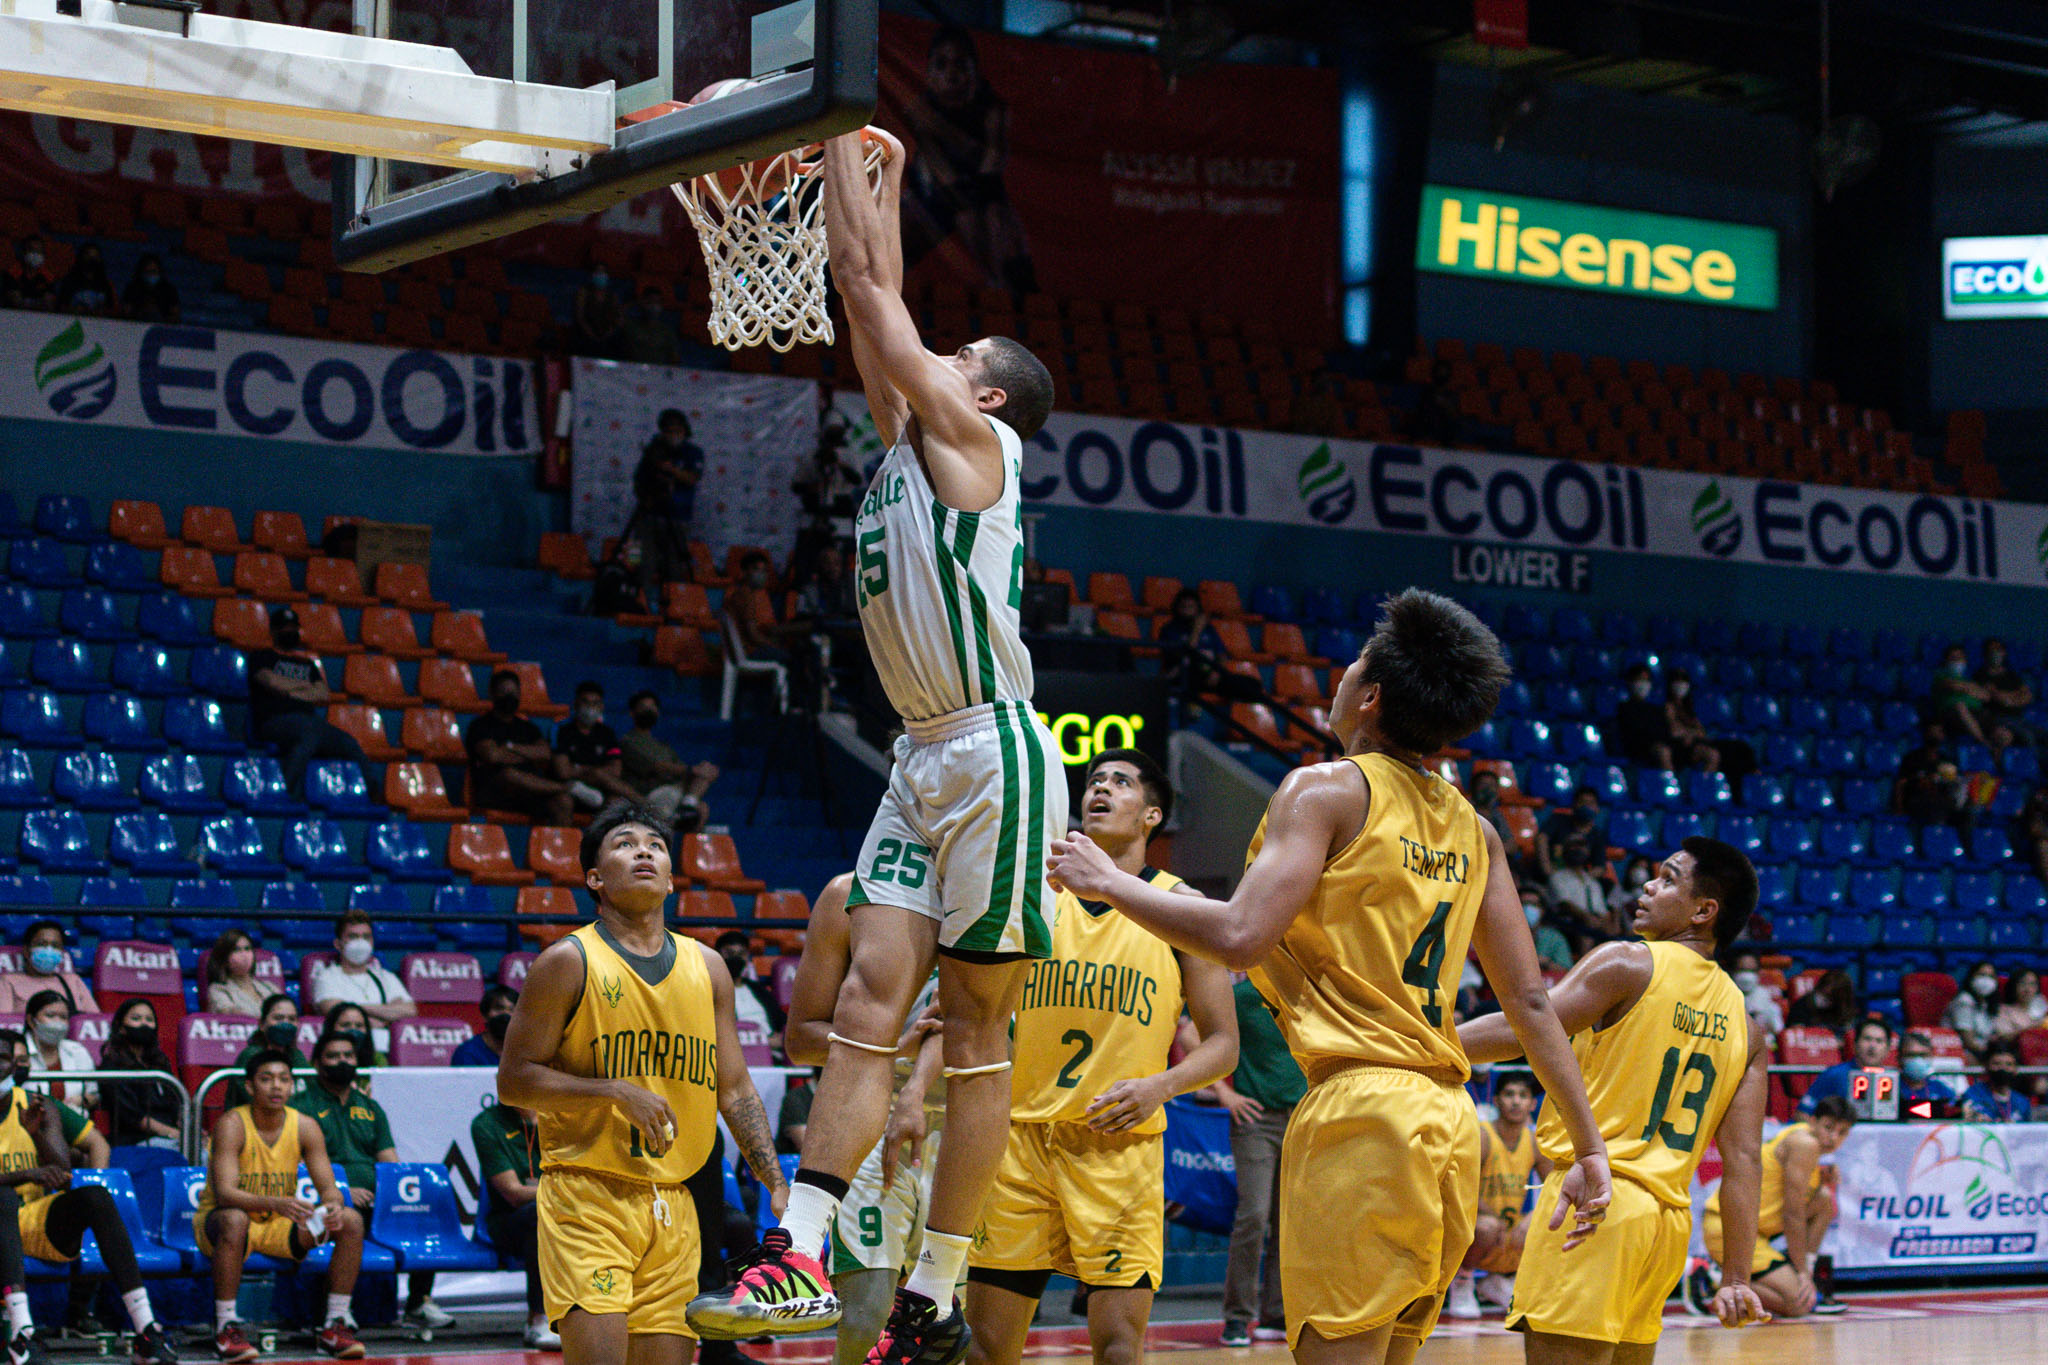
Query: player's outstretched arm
x=885, y=404
x=1315, y=811
x=525, y=1080
x=739, y=1104
x=1740, y=1139
x=819, y=974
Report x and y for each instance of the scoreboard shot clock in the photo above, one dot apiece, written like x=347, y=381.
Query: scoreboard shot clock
x=1874, y=1093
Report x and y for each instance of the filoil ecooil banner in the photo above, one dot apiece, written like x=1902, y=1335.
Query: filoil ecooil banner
x=1604, y=250
x=1916, y=1196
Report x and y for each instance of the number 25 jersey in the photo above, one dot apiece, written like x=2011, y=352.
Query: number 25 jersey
x=1661, y=1077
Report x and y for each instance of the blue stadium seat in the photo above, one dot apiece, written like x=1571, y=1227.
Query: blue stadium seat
x=147, y=841
x=296, y=913
x=1941, y=845
x=172, y=619
x=1486, y=739
x=1774, y=884
x=92, y=781
x=1562, y=698
x=1786, y=753
x=2020, y=764
x=1597, y=663
x=318, y=847
x=177, y=782
x=401, y=851
x=1273, y=603
x=21, y=613
x=1521, y=621
x=121, y=722
x=1669, y=634
x=220, y=671
x=1608, y=779
x=1621, y=628
x=1733, y=673
x=1790, y=837
x=416, y=1216
x=1528, y=738
x=34, y=716
x=1839, y=755
x=2010, y=935
x=1880, y=680
x=1818, y=888
x=1975, y=893
x=1606, y=698
x=1813, y=795
x=256, y=784
x=58, y=841
x=1893, y=646
x=1337, y=642
x=1990, y=846
x=1515, y=699
x=397, y=925
x=1807, y=712
x=1715, y=711
x=1853, y=931
x=1764, y=791
x=144, y=668
x=92, y=614
x=336, y=787
x=2008, y=800
x=11, y=524
x=1680, y=825
x=1916, y=680
x=2024, y=895
x=65, y=665
x=1708, y=790
x=1907, y=931
x=1973, y=757
x=198, y=724
x=1881, y=755
x=111, y=893
x=10, y=672
x=1891, y=842
x=152, y=1258
x=1365, y=611
x=1634, y=831
x=1921, y=889
x=1577, y=739
x=1805, y=641
x=1540, y=660
x=1656, y=787
x=1792, y=929
x=211, y=894
x=1759, y=638
x=180, y=1197
x=1788, y=676
x=1714, y=636
x=1843, y=841
x=1549, y=782
x=1865, y=796
x=1322, y=606
x=1694, y=666
x=1873, y=888
x=26, y=888
x=1854, y=716
x=455, y=913
x=1745, y=832
x=66, y=517
x=41, y=563
x=121, y=568
x=1760, y=711
x=234, y=844
x=18, y=788
x=1572, y=624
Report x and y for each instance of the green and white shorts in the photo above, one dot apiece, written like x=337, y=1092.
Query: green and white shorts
x=878, y=1229
x=961, y=834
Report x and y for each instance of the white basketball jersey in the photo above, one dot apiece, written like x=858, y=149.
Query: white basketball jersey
x=939, y=588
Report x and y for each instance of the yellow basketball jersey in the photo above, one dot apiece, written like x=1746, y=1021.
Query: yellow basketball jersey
x=1660, y=1079
x=1368, y=971
x=269, y=1169
x=18, y=1147
x=1770, y=1206
x=1504, y=1174
x=660, y=1034
x=1101, y=1009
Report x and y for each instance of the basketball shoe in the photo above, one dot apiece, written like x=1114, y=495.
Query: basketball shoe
x=779, y=1290
x=917, y=1335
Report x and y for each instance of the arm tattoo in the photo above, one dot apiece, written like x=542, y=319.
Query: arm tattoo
x=748, y=1119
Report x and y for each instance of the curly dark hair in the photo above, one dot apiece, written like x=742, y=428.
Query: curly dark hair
x=1438, y=668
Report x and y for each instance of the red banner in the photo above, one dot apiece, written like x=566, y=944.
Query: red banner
x=1086, y=174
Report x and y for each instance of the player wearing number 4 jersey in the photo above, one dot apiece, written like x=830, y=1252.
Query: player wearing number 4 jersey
x=953, y=865
x=1672, y=1066
x=1366, y=883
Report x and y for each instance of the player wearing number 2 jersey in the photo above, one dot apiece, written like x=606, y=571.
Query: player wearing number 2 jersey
x=1671, y=1065
x=1366, y=883
x=953, y=865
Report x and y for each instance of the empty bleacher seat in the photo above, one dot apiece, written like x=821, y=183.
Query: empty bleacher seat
x=546, y=900
x=417, y=1217
x=65, y=665
x=198, y=724
x=92, y=781
x=34, y=716
x=92, y=614
x=138, y=523
x=318, y=847
x=337, y=581
x=336, y=787
x=192, y=572
x=220, y=671
x=145, y=669
x=195, y=894
x=177, y=782
x=482, y=853
x=212, y=528
x=417, y=789
x=147, y=841
x=120, y=568
x=58, y=841
x=266, y=577
x=235, y=844
x=367, y=726
x=41, y=563
x=257, y=785
x=400, y=850
x=457, y=913
x=18, y=788
x=22, y=616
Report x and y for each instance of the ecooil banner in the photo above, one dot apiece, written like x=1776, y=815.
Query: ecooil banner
x=1514, y=500
x=98, y=372
x=1917, y=1196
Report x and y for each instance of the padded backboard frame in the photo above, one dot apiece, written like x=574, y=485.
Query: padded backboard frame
x=834, y=95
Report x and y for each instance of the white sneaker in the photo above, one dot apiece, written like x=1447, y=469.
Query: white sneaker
x=586, y=795
x=1463, y=1301
x=429, y=1314
x=541, y=1337
x=1498, y=1290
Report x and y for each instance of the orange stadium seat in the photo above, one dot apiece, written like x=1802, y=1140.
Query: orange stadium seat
x=1159, y=593
x=389, y=630
x=1219, y=598
x=451, y=683
x=405, y=585
x=1296, y=682
x=368, y=728
x=789, y=906
x=482, y=853
x=533, y=693
x=704, y=905
x=687, y=604
x=683, y=649
x=1111, y=592
x=321, y=629
x=140, y=524
x=242, y=622
x=1522, y=824
x=282, y=533
x=434, y=734
x=1283, y=640
x=374, y=678
x=546, y=900
x=1237, y=642
x=262, y=574
x=191, y=571
x=555, y=853
x=417, y=789
x=461, y=635
x=212, y=528
x=337, y=581
x=712, y=860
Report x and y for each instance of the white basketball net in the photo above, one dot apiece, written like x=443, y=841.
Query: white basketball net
x=765, y=253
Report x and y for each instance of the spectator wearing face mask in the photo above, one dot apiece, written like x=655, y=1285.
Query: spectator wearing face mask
x=30, y=283
x=139, y=1113
x=1917, y=1081
x=1483, y=791
x=51, y=1048
x=1996, y=1098
x=752, y=998
x=230, y=976
x=485, y=1048
x=1642, y=726
x=1957, y=700
x=277, y=1030
x=1927, y=789
x=673, y=789
x=150, y=296
x=1553, y=949
x=587, y=752
x=1757, y=999
x=356, y=977
x=2007, y=695
x=85, y=287
x=2030, y=830
x=646, y=338
x=1628, y=888
x=1973, y=1014
x=665, y=488
x=598, y=317
x=1831, y=1004
x=511, y=766
x=2021, y=1005
x=288, y=699
x=47, y=963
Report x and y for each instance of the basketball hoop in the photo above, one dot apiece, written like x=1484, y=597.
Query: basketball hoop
x=762, y=227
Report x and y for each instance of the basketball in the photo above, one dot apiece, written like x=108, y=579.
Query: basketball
x=747, y=184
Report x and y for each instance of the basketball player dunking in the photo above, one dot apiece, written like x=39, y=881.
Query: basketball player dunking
x=1366, y=882
x=954, y=863
x=624, y=1043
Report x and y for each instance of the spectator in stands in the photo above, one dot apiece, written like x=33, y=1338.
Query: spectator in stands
x=150, y=295
x=250, y=1205
x=358, y=1136
x=665, y=488
x=52, y=1048
x=827, y=592
x=1580, y=823
x=506, y=1139
x=277, y=1030
x=1917, y=1081
x=672, y=789
x=1873, y=1045
x=30, y=283
x=793, y=1118
x=1973, y=1013
x=752, y=999
x=352, y=1021
x=2007, y=695
x=2021, y=1006
x=1758, y=999
x=511, y=766
x=1576, y=891
x=1957, y=700
x=1553, y=949
x=1190, y=643
x=1927, y=789
x=828, y=486
x=2030, y=830
x=230, y=976
x=140, y=1113
x=47, y=959
x=1628, y=888
x=485, y=1048
x=1642, y=726
x=598, y=317
x=1260, y=1097
x=646, y=338
x=288, y=698
x=1831, y=1004
x=1437, y=418
x=955, y=187
x=587, y=752
x=1691, y=745
x=1996, y=1099
x=356, y=977
x=750, y=609
x=85, y=287
x=1483, y=791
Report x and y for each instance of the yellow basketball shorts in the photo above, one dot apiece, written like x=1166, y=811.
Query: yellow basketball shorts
x=617, y=1246
x=271, y=1234
x=1763, y=1259
x=1379, y=1190
x=1612, y=1286
x=1086, y=1204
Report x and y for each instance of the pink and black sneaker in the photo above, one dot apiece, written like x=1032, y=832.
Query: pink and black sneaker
x=779, y=1291
x=917, y=1335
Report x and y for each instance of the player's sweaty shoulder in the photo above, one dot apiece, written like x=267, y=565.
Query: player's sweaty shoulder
x=1332, y=798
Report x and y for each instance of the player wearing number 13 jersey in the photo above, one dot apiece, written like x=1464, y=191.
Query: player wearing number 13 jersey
x=1366, y=883
x=1672, y=1066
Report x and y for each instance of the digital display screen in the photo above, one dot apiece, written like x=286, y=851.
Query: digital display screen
x=1874, y=1093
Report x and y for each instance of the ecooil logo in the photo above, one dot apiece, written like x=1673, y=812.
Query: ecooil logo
x=1715, y=521
x=1326, y=486
x=71, y=353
